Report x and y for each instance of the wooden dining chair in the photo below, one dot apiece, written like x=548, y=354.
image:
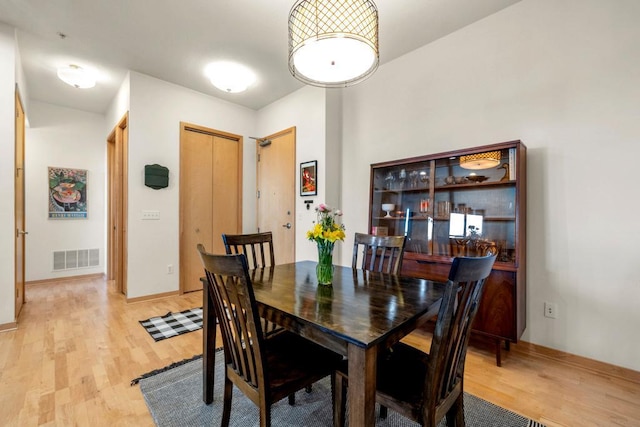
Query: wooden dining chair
x=427, y=387
x=378, y=253
x=258, y=248
x=265, y=369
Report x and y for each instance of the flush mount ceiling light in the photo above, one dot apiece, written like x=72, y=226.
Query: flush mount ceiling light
x=480, y=160
x=77, y=76
x=230, y=76
x=333, y=43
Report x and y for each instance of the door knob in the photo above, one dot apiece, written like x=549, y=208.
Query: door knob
x=287, y=225
x=19, y=232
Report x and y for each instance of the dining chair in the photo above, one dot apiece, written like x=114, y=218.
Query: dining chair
x=264, y=369
x=258, y=248
x=378, y=253
x=427, y=387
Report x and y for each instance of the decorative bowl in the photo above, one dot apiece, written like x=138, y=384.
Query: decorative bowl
x=477, y=178
x=388, y=207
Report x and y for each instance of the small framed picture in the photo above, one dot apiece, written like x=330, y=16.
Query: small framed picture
x=308, y=178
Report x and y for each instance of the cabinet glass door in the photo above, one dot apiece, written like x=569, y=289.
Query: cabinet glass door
x=474, y=209
x=401, y=203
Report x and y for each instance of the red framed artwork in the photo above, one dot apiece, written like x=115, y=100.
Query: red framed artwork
x=309, y=178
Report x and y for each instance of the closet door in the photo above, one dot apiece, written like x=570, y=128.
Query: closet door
x=210, y=196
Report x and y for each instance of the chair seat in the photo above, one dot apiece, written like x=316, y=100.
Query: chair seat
x=292, y=360
x=401, y=373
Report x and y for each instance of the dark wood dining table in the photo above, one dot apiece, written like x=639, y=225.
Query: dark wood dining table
x=361, y=314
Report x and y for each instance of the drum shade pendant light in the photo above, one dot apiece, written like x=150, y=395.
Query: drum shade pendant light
x=480, y=160
x=333, y=43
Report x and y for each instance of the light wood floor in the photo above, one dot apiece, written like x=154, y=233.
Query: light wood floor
x=79, y=344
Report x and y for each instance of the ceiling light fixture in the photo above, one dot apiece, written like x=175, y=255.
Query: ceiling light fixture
x=230, y=76
x=333, y=43
x=77, y=76
x=480, y=160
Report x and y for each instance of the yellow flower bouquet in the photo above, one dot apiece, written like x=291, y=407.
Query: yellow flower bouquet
x=325, y=232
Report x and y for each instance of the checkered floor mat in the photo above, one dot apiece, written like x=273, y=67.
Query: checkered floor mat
x=173, y=324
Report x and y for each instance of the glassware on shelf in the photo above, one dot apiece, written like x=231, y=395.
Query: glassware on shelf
x=388, y=207
x=424, y=205
x=389, y=181
x=413, y=176
x=444, y=208
x=402, y=176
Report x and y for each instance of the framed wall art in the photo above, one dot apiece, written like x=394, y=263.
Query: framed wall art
x=308, y=178
x=67, y=193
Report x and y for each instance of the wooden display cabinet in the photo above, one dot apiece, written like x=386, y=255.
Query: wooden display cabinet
x=446, y=210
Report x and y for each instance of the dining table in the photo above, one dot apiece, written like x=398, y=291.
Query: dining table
x=359, y=315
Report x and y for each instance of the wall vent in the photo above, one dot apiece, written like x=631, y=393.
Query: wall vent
x=75, y=259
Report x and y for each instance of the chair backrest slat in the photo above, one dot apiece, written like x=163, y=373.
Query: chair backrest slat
x=453, y=327
x=384, y=253
x=257, y=247
x=235, y=306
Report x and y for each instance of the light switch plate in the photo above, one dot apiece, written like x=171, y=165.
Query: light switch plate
x=147, y=215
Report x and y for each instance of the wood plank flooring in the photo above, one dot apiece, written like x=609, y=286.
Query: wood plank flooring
x=79, y=344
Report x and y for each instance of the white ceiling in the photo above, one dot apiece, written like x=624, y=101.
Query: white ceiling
x=173, y=40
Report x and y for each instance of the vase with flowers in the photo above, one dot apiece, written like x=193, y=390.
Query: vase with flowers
x=325, y=232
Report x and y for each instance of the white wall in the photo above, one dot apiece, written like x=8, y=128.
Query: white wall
x=68, y=138
x=304, y=109
x=564, y=77
x=156, y=110
x=7, y=169
x=119, y=106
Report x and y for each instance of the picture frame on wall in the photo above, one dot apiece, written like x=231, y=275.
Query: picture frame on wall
x=309, y=178
x=67, y=193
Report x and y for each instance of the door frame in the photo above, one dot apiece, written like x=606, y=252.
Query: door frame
x=19, y=212
x=117, y=203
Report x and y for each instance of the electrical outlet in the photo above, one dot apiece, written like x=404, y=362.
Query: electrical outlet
x=550, y=310
x=170, y=269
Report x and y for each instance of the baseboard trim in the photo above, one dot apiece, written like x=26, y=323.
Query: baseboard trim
x=6, y=327
x=581, y=362
x=152, y=297
x=66, y=278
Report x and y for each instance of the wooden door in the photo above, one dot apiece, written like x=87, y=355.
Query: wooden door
x=19, y=208
x=210, y=196
x=276, y=176
x=117, y=149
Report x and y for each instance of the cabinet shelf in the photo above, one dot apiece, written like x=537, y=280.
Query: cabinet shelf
x=403, y=190
x=402, y=218
x=484, y=218
x=449, y=187
x=495, y=210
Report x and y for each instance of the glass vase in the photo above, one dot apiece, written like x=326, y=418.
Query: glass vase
x=324, y=269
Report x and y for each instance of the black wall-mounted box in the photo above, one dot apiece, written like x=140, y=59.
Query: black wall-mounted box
x=156, y=176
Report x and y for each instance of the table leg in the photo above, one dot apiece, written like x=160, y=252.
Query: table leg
x=208, y=343
x=362, y=385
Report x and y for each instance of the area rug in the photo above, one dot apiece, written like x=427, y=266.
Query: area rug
x=174, y=398
x=173, y=324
